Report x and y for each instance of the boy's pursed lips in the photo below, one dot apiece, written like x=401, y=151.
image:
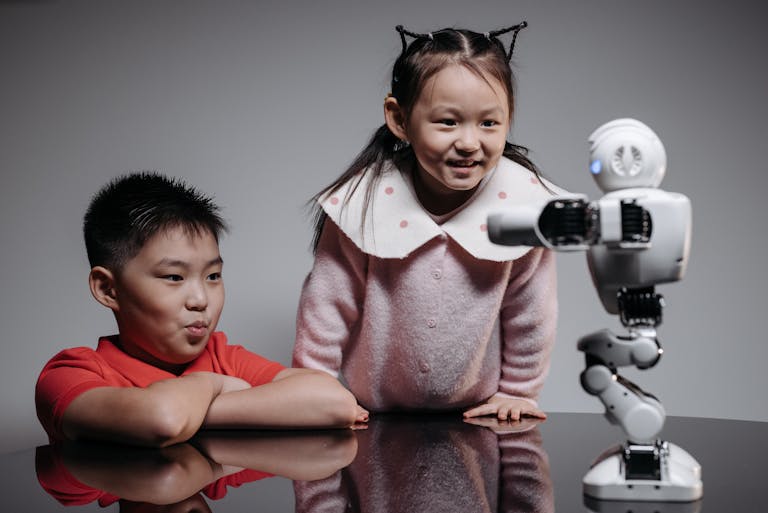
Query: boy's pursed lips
x=198, y=328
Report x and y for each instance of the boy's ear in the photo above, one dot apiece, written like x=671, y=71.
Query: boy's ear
x=102, y=284
x=394, y=117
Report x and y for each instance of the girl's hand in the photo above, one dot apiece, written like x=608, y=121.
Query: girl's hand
x=504, y=427
x=505, y=408
x=361, y=421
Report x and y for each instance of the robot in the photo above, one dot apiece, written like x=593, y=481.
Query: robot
x=636, y=237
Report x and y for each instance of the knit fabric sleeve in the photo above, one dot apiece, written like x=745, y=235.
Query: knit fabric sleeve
x=525, y=476
x=528, y=324
x=330, y=303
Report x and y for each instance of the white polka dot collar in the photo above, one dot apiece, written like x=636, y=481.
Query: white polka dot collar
x=396, y=224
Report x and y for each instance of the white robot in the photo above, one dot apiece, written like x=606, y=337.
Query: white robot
x=636, y=237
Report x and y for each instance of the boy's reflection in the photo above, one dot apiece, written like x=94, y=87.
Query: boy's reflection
x=174, y=479
x=428, y=463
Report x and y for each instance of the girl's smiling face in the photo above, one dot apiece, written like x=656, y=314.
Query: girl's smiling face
x=457, y=129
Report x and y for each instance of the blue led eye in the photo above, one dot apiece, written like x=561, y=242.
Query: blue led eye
x=595, y=167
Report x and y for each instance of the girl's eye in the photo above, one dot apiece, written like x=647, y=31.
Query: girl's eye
x=448, y=122
x=173, y=277
x=488, y=123
x=214, y=277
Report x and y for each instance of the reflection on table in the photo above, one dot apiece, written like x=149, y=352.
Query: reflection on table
x=432, y=463
x=176, y=478
x=401, y=463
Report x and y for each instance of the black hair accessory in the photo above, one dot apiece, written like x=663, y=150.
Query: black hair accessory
x=515, y=29
x=493, y=36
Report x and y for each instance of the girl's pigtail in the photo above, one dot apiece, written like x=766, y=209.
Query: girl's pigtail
x=382, y=147
x=515, y=29
x=403, y=32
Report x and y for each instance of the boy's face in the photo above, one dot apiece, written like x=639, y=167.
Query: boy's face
x=169, y=298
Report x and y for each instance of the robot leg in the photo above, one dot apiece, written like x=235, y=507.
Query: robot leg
x=645, y=468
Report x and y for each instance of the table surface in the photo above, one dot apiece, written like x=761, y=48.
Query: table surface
x=400, y=463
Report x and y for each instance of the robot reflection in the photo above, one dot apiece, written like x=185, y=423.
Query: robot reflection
x=636, y=237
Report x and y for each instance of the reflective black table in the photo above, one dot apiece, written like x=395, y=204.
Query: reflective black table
x=400, y=463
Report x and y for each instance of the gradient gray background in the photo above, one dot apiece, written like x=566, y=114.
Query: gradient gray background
x=262, y=103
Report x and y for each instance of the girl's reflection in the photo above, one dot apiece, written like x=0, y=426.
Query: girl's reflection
x=175, y=479
x=429, y=463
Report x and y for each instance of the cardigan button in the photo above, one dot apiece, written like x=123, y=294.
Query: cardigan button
x=437, y=274
x=424, y=367
x=431, y=323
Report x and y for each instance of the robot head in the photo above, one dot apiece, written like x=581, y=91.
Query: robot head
x=625, y=153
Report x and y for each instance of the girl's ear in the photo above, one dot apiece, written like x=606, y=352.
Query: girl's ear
x=394, y=117
x=102, y=284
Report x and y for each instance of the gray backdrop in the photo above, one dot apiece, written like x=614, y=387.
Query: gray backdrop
x=262, y=103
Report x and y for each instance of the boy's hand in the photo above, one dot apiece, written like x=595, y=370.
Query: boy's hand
x=223, y=384
x=233, y=384
x=505, y=408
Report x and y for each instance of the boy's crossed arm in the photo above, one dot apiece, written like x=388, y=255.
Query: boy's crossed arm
x=172, y=410
x=299, y=398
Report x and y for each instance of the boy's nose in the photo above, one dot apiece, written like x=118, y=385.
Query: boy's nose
x=197, y=299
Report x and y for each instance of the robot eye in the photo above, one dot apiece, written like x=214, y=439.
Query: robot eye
x=627, y=161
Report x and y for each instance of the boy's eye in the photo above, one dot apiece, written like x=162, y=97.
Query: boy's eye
x=448, y=122
x=488, y=123
x=214, y=277
x=173, y=277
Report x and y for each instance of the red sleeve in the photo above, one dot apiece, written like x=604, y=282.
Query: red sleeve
x=55, y=479
x=64, y=377
x=235, y=360
x=218, y=488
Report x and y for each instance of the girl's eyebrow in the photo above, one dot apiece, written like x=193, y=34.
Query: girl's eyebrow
x=170, y=262
x=444, y=107
x=495, y=110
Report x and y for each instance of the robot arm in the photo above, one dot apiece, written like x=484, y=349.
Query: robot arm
x=564, y=223
x=570, y=223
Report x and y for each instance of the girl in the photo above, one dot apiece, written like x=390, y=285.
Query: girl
x=408, y=299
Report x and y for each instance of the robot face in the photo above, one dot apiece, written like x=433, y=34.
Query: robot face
x=625, y=153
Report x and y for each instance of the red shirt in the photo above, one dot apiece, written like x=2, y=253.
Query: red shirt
x=73, y=371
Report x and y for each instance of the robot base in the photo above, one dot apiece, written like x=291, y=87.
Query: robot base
x=598, y=506
x=626, y=473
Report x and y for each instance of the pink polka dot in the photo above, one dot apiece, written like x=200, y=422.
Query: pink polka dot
x=389, y=190
x=483, y=227
x=502, y=195
x=334, y=201
x=403, y=224
x=534, y=180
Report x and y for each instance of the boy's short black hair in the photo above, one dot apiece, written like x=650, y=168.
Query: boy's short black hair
x=132, y=208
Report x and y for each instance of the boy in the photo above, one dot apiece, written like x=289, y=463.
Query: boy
x=152, y=244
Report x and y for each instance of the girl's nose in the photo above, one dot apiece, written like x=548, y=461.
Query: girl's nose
x=468, y=140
